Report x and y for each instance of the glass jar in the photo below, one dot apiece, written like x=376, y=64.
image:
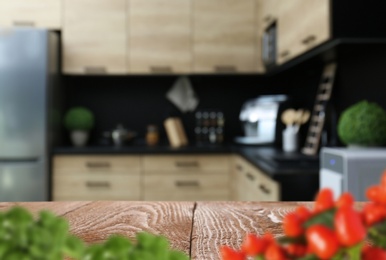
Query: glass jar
x=152, y=135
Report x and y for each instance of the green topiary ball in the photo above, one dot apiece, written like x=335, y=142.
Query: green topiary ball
x=364, y=124
x=79, y=118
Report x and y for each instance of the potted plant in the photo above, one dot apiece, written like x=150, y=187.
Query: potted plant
x=79, y=121
x=363, y=124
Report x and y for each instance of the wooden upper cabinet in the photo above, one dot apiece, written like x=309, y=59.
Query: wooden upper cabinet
x=269, y=11
x=224, y=36
x=317, y=28
x=302, y=25
x=94, y=37
x=290, y=28
x=159, y=38
x=37, y=13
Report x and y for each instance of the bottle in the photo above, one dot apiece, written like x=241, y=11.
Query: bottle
x=152, y=135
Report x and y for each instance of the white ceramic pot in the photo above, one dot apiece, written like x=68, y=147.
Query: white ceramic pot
x=79, y=138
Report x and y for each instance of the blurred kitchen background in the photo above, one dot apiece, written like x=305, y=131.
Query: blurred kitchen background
x=190, y=99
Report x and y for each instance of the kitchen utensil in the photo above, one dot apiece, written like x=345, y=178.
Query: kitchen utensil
x=289, y=116
x=305, y=116
x=120, y=135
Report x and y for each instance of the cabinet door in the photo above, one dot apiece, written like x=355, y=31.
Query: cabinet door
x=302, y=25
x=269, y=11
x=266, y=188
x=317, y=25
x=94, y=36
x=224, y=36
x=185, y=186
x=159, y=36
x=78, y=185
x=39, y=13
x=290, y=28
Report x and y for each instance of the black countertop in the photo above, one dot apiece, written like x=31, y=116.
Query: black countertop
x=269, y=159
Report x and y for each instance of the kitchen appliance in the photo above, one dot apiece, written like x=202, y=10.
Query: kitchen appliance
x=259, y=119
x=28, y=76
x=351, y=169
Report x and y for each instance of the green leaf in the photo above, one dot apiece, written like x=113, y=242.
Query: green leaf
x=73, y=247
x=325, y=218
x=354, y=252
x=308, y=257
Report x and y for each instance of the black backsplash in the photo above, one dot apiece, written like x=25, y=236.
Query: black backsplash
x=137, y=101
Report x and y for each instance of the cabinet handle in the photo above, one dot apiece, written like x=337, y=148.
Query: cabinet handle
x=250, y=176
x=187, y=164
x=187, y=183
x=24, y=23
x=98, y=184
x=161, y=69
x=225, y=68
x=98, y=164
x=239, y=167
x=264, y=189
x=284, y=54
x=95, y=70
x=267, y=18
x=309, y=39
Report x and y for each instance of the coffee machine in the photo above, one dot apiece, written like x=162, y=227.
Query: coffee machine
x=259, y=118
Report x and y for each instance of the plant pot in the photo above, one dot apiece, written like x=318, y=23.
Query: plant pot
x=79, y=138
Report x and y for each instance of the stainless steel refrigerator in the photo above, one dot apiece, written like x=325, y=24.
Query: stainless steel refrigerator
x=28, y=76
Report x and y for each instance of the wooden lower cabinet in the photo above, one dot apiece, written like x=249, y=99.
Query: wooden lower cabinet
x=96, y=178
x=251, y=184
x=160, y=178
x=186, y=186
x=189, y=178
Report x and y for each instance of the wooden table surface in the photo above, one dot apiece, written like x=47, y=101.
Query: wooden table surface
x=196, y=228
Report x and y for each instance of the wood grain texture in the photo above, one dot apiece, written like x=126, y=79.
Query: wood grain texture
x=159, y=36
x=227, y=223
x=224, y=36
x=37, y=13
x=95, y=221
x=184, y=186
x=94, y=36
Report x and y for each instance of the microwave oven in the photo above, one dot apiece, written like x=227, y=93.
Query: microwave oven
x=351, y=169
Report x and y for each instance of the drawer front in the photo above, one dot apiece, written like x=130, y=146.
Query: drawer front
x=98, y=163
x=268, y=189
x=186, y=163
x=211, y=186
x=77, y=186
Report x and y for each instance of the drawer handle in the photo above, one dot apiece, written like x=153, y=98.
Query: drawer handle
x=98, y=165
x=24, y=23
x=98, y=184
x=187, y=183
x=284, y=54
x=95, y=70
x=225, y=68
x=161, y=69
x=267, y=18
x=239, y=167
x=250, y=176
x=309, y=39
x=264, y=189
x=187, y=164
